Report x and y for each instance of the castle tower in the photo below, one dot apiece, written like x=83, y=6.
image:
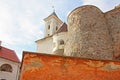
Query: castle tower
x=52, y=24
x=88, y=34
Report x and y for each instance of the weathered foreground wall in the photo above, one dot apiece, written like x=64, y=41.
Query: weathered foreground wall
x=49, y=67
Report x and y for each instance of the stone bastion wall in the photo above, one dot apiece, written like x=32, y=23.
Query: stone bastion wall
x=93, y=34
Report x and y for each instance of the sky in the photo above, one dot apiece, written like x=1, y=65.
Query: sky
x=21, y=21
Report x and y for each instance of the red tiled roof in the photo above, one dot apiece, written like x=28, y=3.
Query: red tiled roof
x=63, y=28
x=8, y=54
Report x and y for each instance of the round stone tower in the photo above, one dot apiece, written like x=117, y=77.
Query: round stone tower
x=88, y=35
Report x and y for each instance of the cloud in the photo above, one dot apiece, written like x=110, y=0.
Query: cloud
x=104, y=5
x=16, y=25
x=5, y=23
x=19, y=27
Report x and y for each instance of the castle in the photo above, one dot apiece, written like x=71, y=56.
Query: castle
x=89, y=46
x=90, y=33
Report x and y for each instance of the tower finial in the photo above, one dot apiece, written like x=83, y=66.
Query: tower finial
x=53, y=8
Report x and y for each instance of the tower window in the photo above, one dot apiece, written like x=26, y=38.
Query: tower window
x=56, y=28
x=61, y=42
x=6, y=67
x=48, y=26
x=48, y=34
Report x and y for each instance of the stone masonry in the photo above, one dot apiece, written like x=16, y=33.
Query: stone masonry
x=93, y=34
x=113, y=21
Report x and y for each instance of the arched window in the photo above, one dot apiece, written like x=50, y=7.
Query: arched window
x=61, y=42
x=6, y=67
x=48, y=26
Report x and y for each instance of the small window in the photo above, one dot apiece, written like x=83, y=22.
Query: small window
x=48, y=26
x=56, y=28
x=6, y=67
x=61, y=42
x=48, y=34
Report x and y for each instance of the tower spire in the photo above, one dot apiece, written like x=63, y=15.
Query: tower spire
x=53, y=8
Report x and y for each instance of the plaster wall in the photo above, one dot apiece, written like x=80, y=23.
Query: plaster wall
x=56, y=40
x=51, y=67
x=53, y=24
x=14, y=75
x=45, y=45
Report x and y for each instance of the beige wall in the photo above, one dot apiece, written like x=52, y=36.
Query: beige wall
x=53, y=24
x=51, y=44
x=10, y=75
x=45, y=45
x=56, y=40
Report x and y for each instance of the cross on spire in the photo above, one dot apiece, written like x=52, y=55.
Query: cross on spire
x=53, y=8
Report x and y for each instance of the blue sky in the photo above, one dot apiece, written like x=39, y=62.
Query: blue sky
x=21, y=21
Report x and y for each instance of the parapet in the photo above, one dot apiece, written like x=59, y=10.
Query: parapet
x=36, y=66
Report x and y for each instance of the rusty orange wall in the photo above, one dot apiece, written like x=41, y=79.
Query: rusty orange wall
x=47, y=67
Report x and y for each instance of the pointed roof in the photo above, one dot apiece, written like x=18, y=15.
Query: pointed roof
x=8, y=54
x=63, y=28
x=53, y=15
